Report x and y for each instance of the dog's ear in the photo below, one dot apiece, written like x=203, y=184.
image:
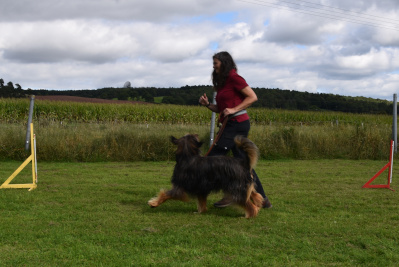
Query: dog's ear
x=197, y=140
x=173, y=140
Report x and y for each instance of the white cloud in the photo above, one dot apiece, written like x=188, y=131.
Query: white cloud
x=93, y=44
x=61, y=41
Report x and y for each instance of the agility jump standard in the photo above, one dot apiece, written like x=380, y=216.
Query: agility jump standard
x=388, y=165
x=31, y=138
x=393, y=150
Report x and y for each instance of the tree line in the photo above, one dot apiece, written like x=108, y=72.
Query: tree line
x=11, y=90
x=189, y=95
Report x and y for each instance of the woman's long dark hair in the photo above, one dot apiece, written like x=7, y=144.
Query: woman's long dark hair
x=227, y=65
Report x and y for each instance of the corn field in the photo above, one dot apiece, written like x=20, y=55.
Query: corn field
x=16, y=111
x=69, y=131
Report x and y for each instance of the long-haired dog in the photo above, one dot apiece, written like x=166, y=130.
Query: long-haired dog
x=198, y=176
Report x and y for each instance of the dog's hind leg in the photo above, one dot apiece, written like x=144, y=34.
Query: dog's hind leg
x=175, y=193
x=250, y=210
x=202, y=204
x=253, y=202
x=257, y=198
x=254, y=196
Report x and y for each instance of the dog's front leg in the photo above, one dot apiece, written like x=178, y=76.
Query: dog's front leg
x=175, y=193
x=202, y=204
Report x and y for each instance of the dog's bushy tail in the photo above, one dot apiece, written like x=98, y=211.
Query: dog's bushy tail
x=249, y=148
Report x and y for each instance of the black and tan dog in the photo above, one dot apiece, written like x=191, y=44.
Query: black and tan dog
x=198, y=176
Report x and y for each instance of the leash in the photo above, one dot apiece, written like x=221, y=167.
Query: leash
x=222, y=128
x=218, y=135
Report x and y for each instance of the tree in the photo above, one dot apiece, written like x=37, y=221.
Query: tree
x=1, y=82
x=11, y=85
x=19, y=92
x=147, y=96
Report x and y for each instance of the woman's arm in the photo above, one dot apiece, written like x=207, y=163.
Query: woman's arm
x=250, y=98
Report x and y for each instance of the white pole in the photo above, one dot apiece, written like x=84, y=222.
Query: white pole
x=34, y=157
x=212, y=132
x=391, y=159
x=32, y=102
x=394, y=123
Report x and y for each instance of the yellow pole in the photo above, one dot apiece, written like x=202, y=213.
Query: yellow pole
x=32, y=149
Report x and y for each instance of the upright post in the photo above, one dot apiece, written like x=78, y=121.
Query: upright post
x=27, y=142
x=394, y=123
x=212, y=132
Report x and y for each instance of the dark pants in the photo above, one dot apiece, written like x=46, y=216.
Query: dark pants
x=226, y=143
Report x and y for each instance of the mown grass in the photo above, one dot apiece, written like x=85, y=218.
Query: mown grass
x=95, y=214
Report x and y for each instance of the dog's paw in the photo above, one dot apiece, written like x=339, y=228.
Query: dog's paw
x=153, y=202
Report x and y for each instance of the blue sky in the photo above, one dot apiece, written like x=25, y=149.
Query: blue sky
x=228, y=17
x=95, y=44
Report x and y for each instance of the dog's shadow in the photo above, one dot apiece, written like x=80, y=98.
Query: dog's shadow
x=191, y=208
x=178, y=207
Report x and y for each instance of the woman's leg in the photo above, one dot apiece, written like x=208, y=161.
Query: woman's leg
x=258, y=185
x=224, y=145
x=221, y=148
x=243, y=130
x=259, y=189
x=226, y=141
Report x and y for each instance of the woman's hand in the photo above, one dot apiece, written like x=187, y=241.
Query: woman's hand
x=204, y=100
x=229, y=111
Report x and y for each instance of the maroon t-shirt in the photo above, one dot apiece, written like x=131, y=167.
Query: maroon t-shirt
x=229, y=96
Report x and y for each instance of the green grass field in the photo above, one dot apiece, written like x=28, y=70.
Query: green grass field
x=96, y=214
